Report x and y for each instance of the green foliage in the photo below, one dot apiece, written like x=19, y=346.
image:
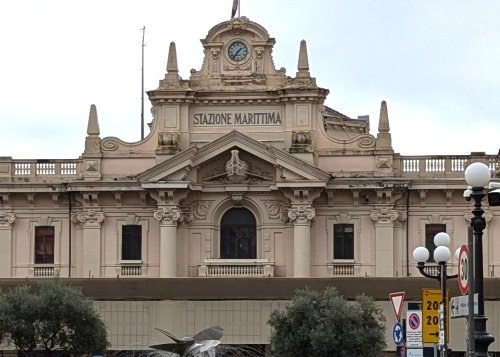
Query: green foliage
x=57, y=319
x=323, y=323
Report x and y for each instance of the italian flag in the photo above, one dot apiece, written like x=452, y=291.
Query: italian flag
x=235, y=8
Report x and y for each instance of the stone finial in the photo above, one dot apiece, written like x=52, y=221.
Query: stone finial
x=172, y=59
x=93, y=124
x=303, y=65
x=383, y=124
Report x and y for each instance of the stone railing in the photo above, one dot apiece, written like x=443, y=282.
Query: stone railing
x=44, y=272
x=236, y=268
x=340, y=268
x=38, y=169
x=130, y=270
x=441, y=166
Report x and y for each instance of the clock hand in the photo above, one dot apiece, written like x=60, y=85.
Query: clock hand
x=238, y=51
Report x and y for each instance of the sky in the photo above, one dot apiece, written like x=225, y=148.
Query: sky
x=436, y=63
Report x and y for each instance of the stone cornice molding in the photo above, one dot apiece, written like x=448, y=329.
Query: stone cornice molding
x=387, y=215
x=88, y=218
x=301, y=214
x=6, y=219
x=170, y=216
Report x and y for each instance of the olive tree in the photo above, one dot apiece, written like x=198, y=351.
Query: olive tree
x=324, y=323
x=57, y=319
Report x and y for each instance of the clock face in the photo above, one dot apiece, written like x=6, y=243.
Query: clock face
x=237, y=51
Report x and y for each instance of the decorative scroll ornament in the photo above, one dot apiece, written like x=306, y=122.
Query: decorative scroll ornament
x=6, y=219
x=169, y=215
x=89, y=219
x=301, y=214
x=386, y=215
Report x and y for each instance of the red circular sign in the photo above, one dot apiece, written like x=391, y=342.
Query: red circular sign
x=414, y=321
x=463, y=269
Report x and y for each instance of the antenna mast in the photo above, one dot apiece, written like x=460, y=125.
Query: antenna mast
x=142, y=83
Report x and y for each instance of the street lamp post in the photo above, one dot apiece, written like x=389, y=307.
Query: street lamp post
x=441, y=255
x=477, y=175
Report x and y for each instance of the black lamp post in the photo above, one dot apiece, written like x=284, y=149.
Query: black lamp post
x=477, y=175
x=441, y=255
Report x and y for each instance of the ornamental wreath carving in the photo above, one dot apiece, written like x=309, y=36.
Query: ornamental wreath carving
x=169, y=215
x=386, y=215
x=301, y=214
x=274, y=208
x=200, y=209
x=88, y=219
x=6, y=219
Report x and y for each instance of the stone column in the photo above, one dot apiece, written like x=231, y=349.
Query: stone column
x=6, y=220
x=91, y=256
x=169, y=217
x=301, y=216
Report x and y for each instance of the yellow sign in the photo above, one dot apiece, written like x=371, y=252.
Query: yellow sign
x=431, y=300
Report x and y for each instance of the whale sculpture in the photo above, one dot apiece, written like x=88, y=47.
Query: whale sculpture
x=199, y=345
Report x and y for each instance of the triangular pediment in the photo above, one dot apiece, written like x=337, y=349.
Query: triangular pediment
x=235, y=151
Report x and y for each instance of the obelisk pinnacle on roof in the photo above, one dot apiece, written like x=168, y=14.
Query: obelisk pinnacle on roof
x=303, y=65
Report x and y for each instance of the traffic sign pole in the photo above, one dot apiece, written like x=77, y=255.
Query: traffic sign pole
x=470, y=267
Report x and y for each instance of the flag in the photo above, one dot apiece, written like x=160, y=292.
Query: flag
x=235, y=8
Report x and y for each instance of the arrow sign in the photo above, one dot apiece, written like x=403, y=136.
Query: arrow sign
x=463, y=273
x=397, y=300
x=435, y=334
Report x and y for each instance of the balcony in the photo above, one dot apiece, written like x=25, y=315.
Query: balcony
x=236, y=268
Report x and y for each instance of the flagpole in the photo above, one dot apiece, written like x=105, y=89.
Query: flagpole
x=239, y=8
x=142, y=83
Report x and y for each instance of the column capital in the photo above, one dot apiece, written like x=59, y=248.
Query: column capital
x=387, y=215
x=487, y=215
x=88, y=219
x=6, y=219
x=169, y=215
x=301, y=214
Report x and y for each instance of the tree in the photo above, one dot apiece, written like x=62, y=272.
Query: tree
x=323, y=323
x=58, y=319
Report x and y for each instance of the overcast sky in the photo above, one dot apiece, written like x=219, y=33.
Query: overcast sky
x=436, y=63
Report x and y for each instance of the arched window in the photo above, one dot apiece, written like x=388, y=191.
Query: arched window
x=238, y=235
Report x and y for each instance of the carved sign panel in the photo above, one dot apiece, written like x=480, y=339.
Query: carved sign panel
x=231, y=118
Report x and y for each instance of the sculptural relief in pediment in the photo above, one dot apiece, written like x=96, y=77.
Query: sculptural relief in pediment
x=237, y=169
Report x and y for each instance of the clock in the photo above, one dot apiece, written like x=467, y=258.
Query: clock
x=237, y=51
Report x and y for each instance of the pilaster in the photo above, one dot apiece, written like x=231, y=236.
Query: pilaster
x=301, y=216
x=90, y=221
x=6, y=221
x=169, y=217
x=386, y=244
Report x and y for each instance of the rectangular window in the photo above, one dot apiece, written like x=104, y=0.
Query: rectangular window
x=343, y=241
x=131, y=242
x=44, y=245
x=430, y=231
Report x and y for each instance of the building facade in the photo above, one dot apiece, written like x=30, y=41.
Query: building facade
x=246, y=188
